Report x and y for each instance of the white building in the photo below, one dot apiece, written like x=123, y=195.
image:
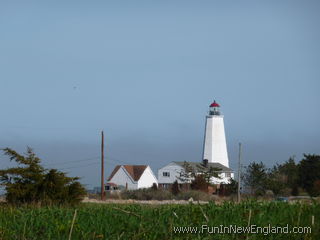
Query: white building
x=215, y=153
x=215, y=145
x=132, y=177
x=174, y=170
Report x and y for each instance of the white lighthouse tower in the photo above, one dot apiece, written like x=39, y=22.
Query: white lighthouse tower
x=215, y=146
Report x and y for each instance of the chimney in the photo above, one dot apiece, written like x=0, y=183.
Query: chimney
x=205, y=162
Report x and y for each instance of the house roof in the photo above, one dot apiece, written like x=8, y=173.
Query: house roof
x=213, y=165
x=135, y=171
x=114, y=172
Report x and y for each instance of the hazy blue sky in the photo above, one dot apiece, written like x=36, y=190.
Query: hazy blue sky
x=146, y=71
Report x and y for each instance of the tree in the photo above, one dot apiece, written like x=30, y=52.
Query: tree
x=232, y=187
x=288, y=176
x=199, y=183
x=281, y=178
x=290, y=170
x=29, y=182
x=154, y=187
x=309, y=174
x=275, y=180
x=207, y=172
x=175, y=188
x=189, y=173
x=255, y=177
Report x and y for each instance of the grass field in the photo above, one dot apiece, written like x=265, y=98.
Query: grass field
x=136, y=221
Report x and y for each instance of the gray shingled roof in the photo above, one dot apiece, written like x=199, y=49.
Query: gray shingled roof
x=214, y=165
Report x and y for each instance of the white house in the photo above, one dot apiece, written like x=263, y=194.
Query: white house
x=132, y=177
x=172, y=172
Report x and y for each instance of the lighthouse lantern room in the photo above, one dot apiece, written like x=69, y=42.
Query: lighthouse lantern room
x=214, y=108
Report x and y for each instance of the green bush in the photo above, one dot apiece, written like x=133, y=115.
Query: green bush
x=29, y=182
x=195, y=195
x=175, y=188
x=147, y=194
x=199, y=183
x=150, y=194
x=111, y=195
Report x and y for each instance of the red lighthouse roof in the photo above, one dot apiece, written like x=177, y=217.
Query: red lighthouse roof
x=214, y=104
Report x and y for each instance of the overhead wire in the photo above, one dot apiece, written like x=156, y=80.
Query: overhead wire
x=73, y=161
x=95, y=159
x=90, y=164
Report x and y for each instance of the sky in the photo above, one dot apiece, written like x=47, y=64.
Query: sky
x=145, y=72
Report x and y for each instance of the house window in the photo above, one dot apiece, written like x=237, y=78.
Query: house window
x=166, y=174
x=228, y=174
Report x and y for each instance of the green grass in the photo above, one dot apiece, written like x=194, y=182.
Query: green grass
x=134, y=221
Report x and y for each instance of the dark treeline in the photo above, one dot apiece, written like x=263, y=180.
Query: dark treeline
x=289, y=178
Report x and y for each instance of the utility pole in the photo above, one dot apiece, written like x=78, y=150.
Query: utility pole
x=102, y=166
x=239, y=173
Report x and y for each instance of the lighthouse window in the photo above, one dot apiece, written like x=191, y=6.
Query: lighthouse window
x=166, y=174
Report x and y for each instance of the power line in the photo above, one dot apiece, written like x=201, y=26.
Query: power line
x=73, y=161
x=116, y=160
x=80, y=166
x=94, y=159
x=83, y=160
x=51, y=128
x=97, y=161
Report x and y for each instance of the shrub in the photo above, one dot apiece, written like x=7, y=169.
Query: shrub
x=199, y=183
x=150, y=194
x=111, y=195
x=195, y=195
x=162, y=195
x=154, y=186
x=175, y=188
x=295, y=190
x=147, y=194
x=29, y=182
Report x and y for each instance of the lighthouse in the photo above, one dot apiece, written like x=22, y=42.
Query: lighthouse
x=215, y=145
